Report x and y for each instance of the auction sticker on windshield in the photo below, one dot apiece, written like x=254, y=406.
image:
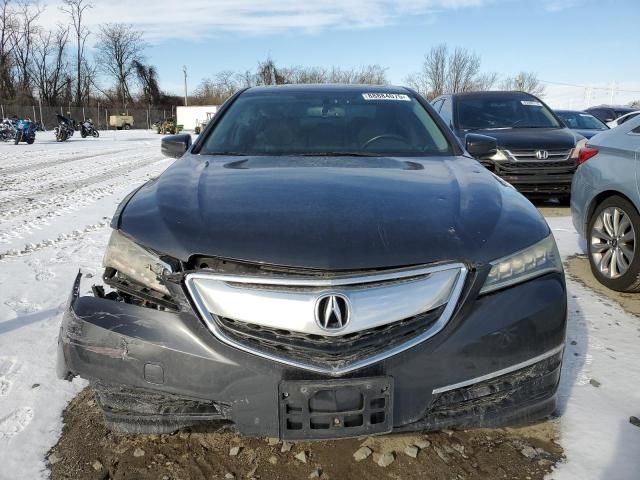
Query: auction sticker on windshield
x=386, y=96
x=530, y=103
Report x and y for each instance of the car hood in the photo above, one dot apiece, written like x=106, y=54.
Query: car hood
x=587, y=133
x=331, y=213
x=530, y=138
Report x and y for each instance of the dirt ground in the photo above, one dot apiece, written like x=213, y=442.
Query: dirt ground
x=87, y=450
x=551, y=208
x=578, y=268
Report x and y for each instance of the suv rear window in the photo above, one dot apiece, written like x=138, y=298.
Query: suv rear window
x=326, y=123
x=501, y=111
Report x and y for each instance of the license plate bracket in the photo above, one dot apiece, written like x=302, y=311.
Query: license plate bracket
x=340, y=408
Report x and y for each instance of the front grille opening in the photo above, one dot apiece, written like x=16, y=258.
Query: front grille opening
x=320, y=423
x=293, y=425
x=376, y=418
x=351, y=421
x=328, y=350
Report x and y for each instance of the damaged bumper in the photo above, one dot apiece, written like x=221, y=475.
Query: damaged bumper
x=494, y=364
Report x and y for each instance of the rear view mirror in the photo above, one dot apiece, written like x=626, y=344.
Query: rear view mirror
x=480, y=145
x=175, y=146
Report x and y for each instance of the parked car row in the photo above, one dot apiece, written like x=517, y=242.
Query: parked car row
x=605, y=204
x=536, y=152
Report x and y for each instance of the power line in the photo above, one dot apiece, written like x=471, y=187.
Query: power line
x=587, y=86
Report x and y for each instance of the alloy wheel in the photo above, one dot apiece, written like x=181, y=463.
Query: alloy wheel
x=613, y=242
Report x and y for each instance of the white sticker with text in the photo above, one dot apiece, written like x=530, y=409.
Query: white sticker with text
x=386, y=96
x=530, y=103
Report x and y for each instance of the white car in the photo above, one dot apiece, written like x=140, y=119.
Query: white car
x=622, y=119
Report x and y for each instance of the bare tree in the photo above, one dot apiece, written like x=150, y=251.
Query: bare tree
x=431, y=81
x=23, y=37
x=462, y=68
x=7, y=27
x=485, y=81
x=268, y=73
x=76, y=9
x=449, y=72
x=118, y=47
x=49, y=68
x=148, y=79
x=524, y=82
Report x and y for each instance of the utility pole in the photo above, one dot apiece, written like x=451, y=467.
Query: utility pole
x=184, y=69
x=613, y=91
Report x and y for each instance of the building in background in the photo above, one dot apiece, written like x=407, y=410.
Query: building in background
x=191, y=117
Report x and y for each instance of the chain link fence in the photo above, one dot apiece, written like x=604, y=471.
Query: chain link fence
x=142, y=117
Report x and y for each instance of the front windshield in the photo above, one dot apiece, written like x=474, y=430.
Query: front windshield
x=581, y=121
x=317, y=123
x=502, y=111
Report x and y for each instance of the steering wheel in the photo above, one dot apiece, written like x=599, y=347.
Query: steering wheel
x=391, y=136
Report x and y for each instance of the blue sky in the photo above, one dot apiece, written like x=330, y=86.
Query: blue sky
x=585, y=42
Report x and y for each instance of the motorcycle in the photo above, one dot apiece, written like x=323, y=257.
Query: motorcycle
x=64, y=130
x=25, y=132
x=7, y=130
x=87, y=128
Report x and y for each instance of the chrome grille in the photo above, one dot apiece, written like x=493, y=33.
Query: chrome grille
x=554, y=155
x=274, y=316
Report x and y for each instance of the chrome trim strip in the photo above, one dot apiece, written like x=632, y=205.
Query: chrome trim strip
x=530, y=155
x=499, y=373
x=333, y=371
x=335, y=281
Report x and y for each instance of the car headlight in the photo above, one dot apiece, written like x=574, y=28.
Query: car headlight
x=580, y=144
x=135, y=262
x=499, y=156
x=538, y=259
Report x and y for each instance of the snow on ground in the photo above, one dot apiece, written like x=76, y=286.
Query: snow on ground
x=603, y=347
x=56, y=200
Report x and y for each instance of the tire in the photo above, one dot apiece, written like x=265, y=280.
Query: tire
x=95, y=134
x=613, y=234
x=83, y=135
x=31, y=140
x=16, y=140
x=127, y=126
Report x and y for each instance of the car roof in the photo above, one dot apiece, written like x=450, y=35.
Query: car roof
x=494, y=94
x=329, y=87
x=616, y=107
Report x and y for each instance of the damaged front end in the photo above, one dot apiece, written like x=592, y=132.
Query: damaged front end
x=168, y=344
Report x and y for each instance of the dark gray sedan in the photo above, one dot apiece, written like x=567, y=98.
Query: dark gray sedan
x=324, y=262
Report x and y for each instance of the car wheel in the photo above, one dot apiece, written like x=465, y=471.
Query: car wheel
x=614, y=253
x=127, y=126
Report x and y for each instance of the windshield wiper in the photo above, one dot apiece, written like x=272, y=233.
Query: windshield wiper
x=228, y=154
x=535, y=126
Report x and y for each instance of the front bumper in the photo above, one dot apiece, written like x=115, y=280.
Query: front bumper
x=535, y=178
x=497, y=362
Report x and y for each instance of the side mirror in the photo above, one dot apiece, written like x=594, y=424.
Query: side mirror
x=175, y=145
x=480, y=145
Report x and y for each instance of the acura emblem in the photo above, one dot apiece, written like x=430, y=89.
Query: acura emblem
x=542, y=154
x=332, y=312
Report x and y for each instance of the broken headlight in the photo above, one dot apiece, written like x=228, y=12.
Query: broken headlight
x=538, y=259
x=135, y=262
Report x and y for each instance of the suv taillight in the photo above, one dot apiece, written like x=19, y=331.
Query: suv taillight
x=586, y=153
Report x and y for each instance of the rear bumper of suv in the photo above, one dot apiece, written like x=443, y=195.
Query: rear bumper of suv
x=495, y=363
